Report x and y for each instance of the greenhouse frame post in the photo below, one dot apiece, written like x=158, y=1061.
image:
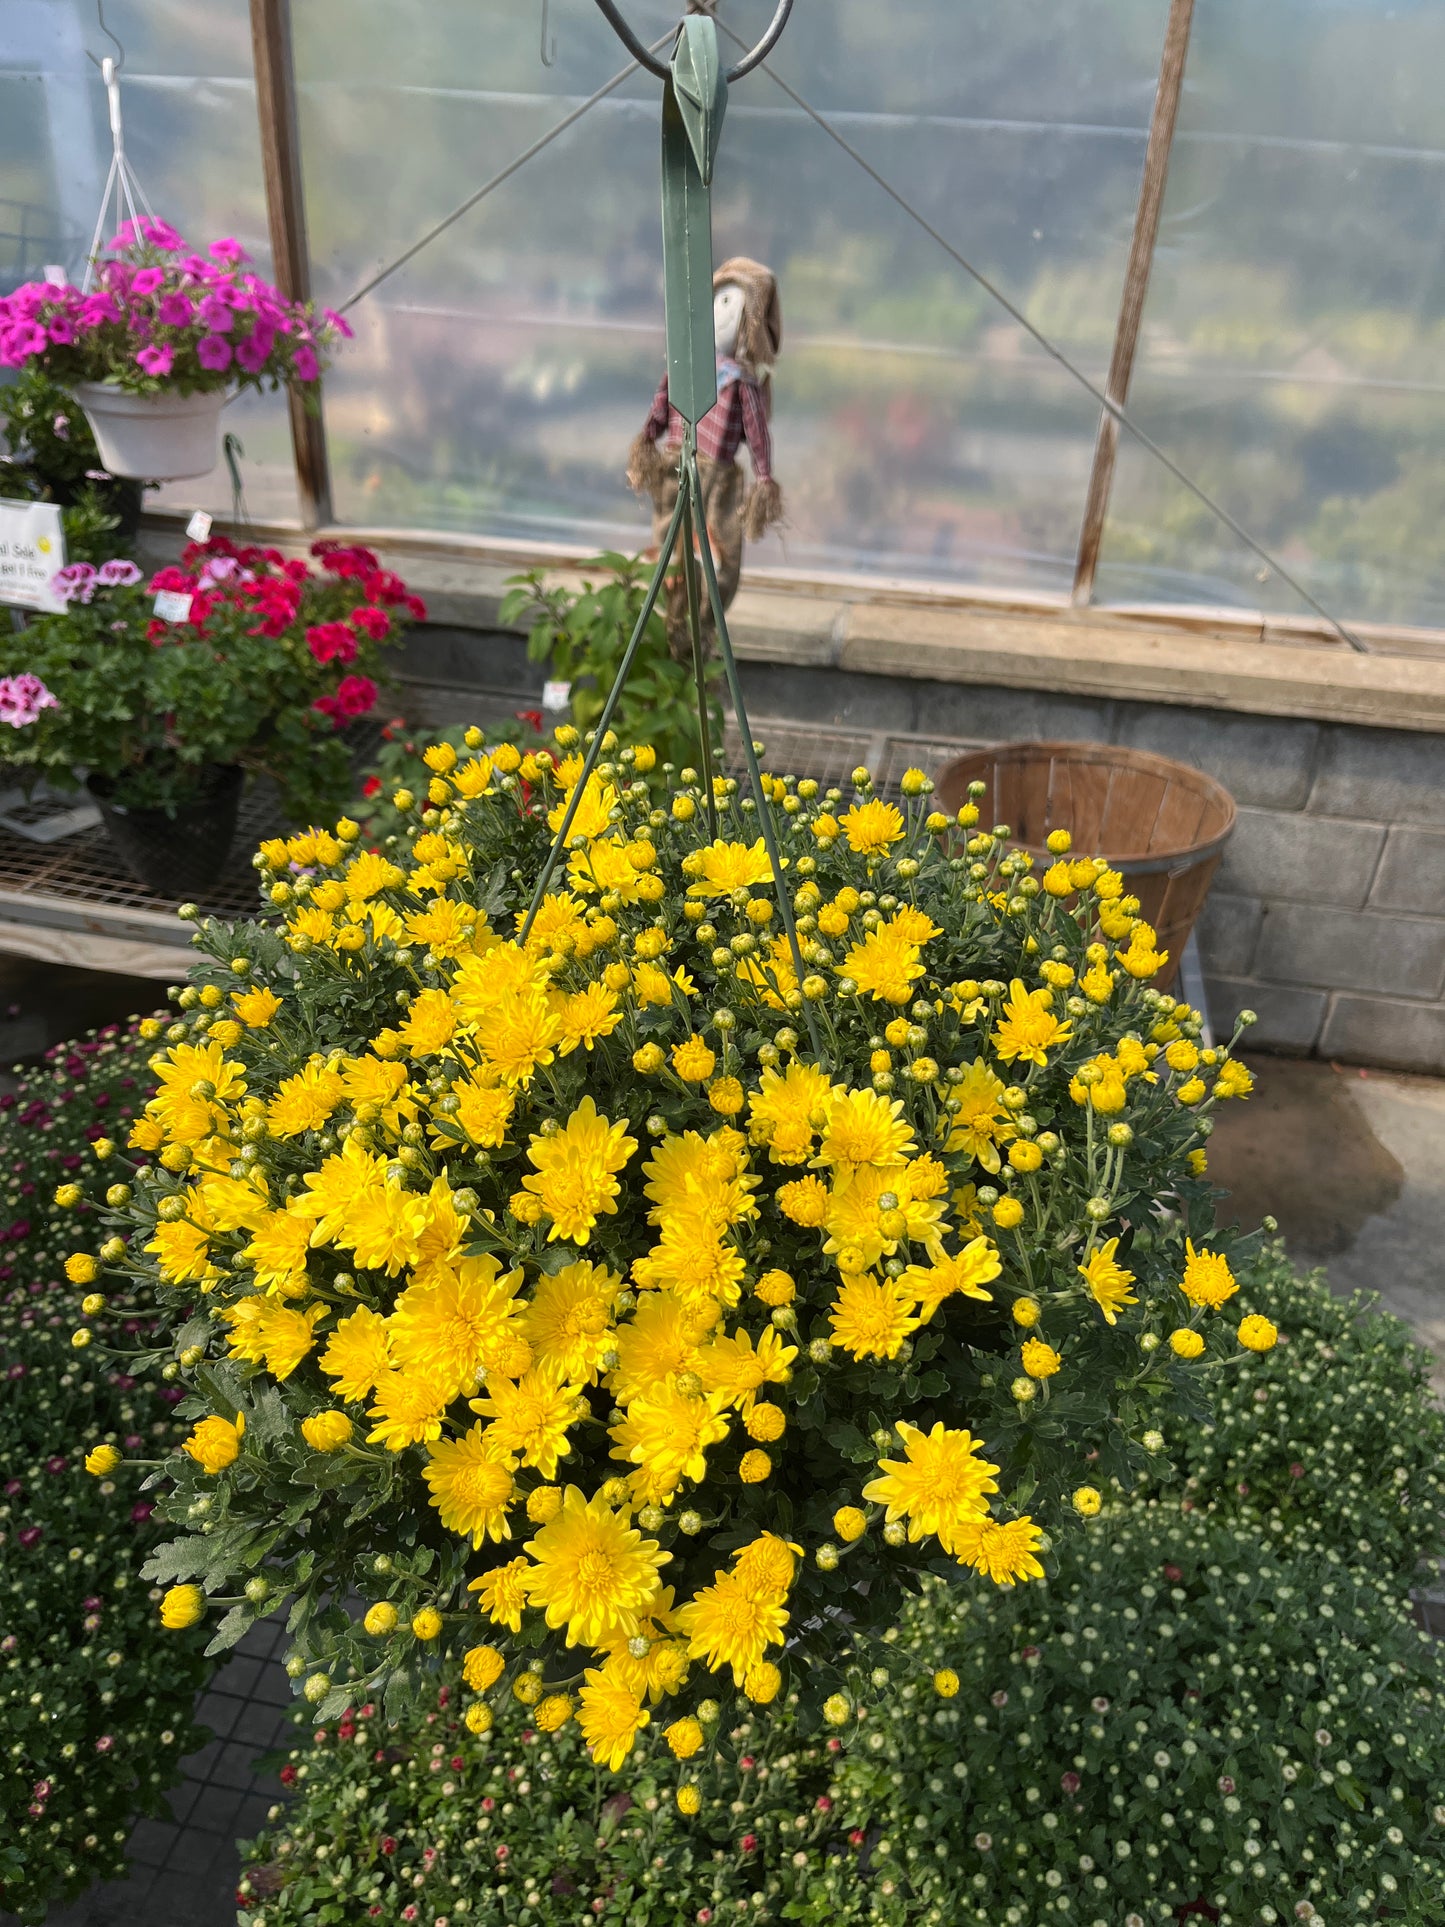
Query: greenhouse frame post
x=1136, y=287
x=286, y=217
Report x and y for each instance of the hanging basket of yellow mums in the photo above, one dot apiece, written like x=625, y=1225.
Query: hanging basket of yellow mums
x=557, y=1302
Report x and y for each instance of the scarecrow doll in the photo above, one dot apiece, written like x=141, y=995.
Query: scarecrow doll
x=748, y=325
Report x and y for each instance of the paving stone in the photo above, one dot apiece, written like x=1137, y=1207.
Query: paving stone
x=1411, y=875
x=215, y=1811
x=1390, y=775
x=151, y=1841
x=1265, y=761
x=1351, y=950
x=1289, y=1020
x=233, y=1768
x=1378, y=1030
x=1306, y=859
x=262, y=1724
x=218, y=1712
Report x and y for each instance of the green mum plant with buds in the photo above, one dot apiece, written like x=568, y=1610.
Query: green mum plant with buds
x=637, y=1252
x=95, y=1696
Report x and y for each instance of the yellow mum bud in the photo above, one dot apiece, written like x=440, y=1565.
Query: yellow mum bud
x=427, y=1623
x=81, y=1268
x=182, y=1606
x=1008, y=1214
x=1087, y=1501
x=685, y=1738
x=689, y=1800
x=1058, y=843
x=762, y=1682
x=945, y=1683
x=380, y=1619
x=1186, y=1343
x=850, y=1522
x=478, y=1717
x=836, y=1709
x=1026, y=1312
x=1257, y=1334
x=482, y=1667
x=1040, y=1360
x=326, y=1431
x=765, y=1423
x=754, y=1467
x=102, y=1460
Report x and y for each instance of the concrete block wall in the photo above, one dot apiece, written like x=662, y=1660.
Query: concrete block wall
x=1327, y=917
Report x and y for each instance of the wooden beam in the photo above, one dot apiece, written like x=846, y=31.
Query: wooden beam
x=1136, y=287
x=286, y=217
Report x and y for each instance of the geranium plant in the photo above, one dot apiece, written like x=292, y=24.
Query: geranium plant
x=161, y=315
x=270, y=659
x=542, y=1286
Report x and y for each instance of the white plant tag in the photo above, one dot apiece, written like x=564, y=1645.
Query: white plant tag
x=172, y=606
x=57, y=277
x=199, y=526
x=556, y=695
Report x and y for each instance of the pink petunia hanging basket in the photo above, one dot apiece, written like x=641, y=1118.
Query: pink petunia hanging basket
x=160, y=341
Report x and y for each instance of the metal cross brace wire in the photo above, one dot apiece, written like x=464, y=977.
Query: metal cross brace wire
x=694, y=101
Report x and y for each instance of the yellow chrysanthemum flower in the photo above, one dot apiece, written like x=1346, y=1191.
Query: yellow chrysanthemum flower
x=1108, y=1281
x=869, y=1319
x=530, y=1418
x=1028, y=1030
x=865, y=1128
x=215, y=1442
x=502, y=1593
x=358, y=1354
x=575, y=1178
x=1208, y=1280
x=724, y=867
x=732, y=1623
x=593, y=1573
x=568, y=1323
x=941, y=1484
x=872, y=827
x=611, y=1715
x=470, y=1487
x=257, y=1007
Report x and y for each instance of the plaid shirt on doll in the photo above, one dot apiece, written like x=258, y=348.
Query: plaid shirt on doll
x=737, y=416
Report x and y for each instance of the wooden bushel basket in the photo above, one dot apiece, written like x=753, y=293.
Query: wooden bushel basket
x=1161, y=823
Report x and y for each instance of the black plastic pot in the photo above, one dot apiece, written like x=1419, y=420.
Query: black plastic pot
x=181, y=854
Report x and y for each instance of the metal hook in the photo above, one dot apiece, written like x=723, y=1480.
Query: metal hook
x=654, y=66
x=120, y=50
x=548, y=56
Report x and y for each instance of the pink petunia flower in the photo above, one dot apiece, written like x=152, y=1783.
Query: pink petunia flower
x=147, y=280
x=157, y=359
x=213, y=352
x=304, y=363
x=216, y=314
x=227, y=249
x=61, y=330
x=252, y=353
x=174, y=310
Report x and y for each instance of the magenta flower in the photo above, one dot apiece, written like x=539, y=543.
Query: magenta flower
x=98, y=308
x=251, y=354
x=304, y=363
x=160, y=234
x=147, y=280
x=157, y=359
x=61, y=330
x=331, y=642
x=213, y=352
x=216, y=314
x=117, y=573
x=228, y=250
x=174, y=310
x=342, y=326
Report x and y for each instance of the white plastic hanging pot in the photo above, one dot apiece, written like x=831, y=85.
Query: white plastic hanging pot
x=154, y=438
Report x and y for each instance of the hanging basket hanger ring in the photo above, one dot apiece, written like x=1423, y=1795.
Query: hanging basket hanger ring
x=644, y=58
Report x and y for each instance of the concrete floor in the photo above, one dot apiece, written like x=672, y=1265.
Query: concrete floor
x=1352, y=1164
